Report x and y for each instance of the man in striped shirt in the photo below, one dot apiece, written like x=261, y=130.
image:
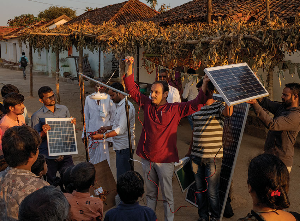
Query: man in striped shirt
x=206, y=154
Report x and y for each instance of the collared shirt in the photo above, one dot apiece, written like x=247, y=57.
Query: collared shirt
x=6, y=122
x=84, y=207
x=190, y=91
x=15, y=185
x=119, y=125
x=283, y=129
x=98, y=115
x=159, y=135
x=38, y=120
x=130, y=212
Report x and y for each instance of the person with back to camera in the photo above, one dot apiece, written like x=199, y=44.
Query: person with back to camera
x=268, y=184
x=23, y=63
x=83, y=206
x=130, y=186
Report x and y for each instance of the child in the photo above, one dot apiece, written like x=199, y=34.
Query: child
x=83, y=206
x=130, y=187
x=39, y=167
x=66, y=185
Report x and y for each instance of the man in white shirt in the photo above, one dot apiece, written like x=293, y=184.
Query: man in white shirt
x=119, y=130
x=98, y=113
x=190, y=91
x=173, y=95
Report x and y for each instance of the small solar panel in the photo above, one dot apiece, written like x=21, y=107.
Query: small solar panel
x=236, y=83
x=232, y=136
x=61, y=137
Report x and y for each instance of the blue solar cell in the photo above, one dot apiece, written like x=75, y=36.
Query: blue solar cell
x=61, y=138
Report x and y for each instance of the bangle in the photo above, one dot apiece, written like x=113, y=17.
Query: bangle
x=104, y=136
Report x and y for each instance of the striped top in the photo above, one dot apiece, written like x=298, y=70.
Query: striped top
x=208, y=131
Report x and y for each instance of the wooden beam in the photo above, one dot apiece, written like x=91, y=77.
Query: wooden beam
x=57, y=76
x=52, y=34
x=30, y=68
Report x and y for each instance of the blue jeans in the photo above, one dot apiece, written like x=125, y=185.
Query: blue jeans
x=208, y=196
x=122, y=161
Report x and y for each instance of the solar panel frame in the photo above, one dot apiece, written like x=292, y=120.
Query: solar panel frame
x=61, y=132
x=237, y=89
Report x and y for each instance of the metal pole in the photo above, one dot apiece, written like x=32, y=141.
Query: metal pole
x=104, y=85
x=129, y=133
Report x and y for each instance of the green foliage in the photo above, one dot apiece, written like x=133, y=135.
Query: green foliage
x=54, y=12
x=90, y=9
x=152, y=3
x=22, y=20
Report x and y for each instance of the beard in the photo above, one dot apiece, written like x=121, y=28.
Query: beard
x=287, y=103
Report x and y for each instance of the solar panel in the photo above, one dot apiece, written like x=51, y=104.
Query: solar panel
x=61, y=138
x=236, y=83
x=232, y=136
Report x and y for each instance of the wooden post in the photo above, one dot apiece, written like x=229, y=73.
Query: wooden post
x=122, y=70
x=57, y=76
x=138, y=65
x=209, y=11
x=30, y=69
x=268, y=9
x=99, y=62
x=270, y=79
x=82, y=99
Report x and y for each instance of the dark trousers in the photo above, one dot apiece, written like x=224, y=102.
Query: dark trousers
x=54, y=166
x=122, y=161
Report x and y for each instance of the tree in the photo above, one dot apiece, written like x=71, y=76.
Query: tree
x=54, y=12
x=87, y=9
x=22, y=20
x=153, y=3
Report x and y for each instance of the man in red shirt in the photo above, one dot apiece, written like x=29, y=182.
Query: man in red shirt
x=157, y=144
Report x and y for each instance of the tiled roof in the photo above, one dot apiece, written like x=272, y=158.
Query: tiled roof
x=121, y=13
x=195, y=11
x=19, y=31
x=4, y=30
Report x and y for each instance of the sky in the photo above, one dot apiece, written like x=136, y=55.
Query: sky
x=11, y=8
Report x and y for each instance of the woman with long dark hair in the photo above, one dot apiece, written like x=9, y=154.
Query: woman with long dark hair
x=268, y=183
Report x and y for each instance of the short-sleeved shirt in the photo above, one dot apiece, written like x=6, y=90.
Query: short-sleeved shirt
x=208, y=131
x=84, y=207
x=119, y=125
x=15, y=185
x=130, y=212
x=6, y=122
x=38, y=120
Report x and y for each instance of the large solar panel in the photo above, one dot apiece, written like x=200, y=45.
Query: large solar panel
x=236, y=83
x=61, y=138
x=232, y=136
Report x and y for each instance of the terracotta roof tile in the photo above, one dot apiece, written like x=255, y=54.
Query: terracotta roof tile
x=121, y=13
x=195, y=11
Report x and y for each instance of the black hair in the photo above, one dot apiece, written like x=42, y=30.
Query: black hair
x=164, y=84
x=294, y=87
x=9, y=88
x=66, y=184
x=47, y=204
x=38, y=165
x=191, y=71
x=118, y=86
x=163, y=71
x=19, y=143
x=83, y=176
x=130, y=186
x=266, y=174
x=23, y=53
x=3, y=164
x=210, y=85
x=43, y=90
x=12, y=99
